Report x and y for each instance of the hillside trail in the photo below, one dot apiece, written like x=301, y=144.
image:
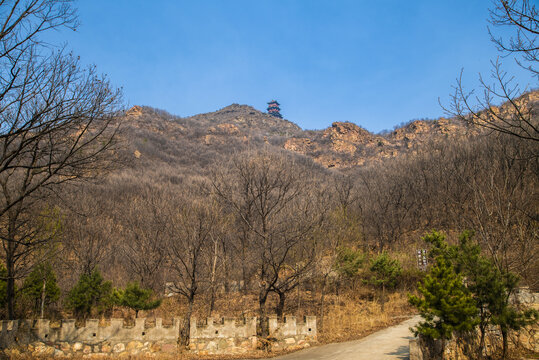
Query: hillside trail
x=390, y=343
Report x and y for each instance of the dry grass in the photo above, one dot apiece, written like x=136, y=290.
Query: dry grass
x=351, y=318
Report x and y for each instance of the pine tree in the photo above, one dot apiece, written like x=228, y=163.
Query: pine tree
x=136, y=298
x=90, y=292
x=503, y=313
x=439, y=246
x=446, y=304
x=348, y=262
x=491, y=289
x=385, y=273
x=40, y=287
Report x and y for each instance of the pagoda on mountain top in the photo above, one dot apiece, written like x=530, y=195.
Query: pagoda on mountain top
x=274, y=109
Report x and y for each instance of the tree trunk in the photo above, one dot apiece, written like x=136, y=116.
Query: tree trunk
x=212, y=301
x=10, y=290
x=481, y=341
x=243, y=288
x=383, y=298
x=186, y=328
x=504, y=344
x=213, y=276
x=299, y=300
x=322, y=296
x=43, y=298
x=263, y=329
x=280, y=306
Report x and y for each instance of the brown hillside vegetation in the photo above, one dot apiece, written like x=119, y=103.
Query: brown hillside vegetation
x=424, y=175
x=239, y=205
x=239, y=127
x=112, y=213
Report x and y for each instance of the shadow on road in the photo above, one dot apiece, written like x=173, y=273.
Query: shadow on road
x=401, y=353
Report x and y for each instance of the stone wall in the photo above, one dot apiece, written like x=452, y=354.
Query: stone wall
x=291, y=335
x=39, y=338
x=225, y=336
x=229, y=336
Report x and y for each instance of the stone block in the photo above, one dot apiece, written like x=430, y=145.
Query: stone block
x=223, y=344
x=58, y=353
x=43, y=350
x=169, y=348
x=13, y=353
x=294, y=348
x=134, y=345
x=212, y=346
x=118, y=348
x=290, y=341
x=96, y=356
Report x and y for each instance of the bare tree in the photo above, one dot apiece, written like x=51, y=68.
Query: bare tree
x=216, y=256
x=191, y=234
x=503, y=207
x=293, y=258
x=56, y=122
x=144, y=228
x=519, y=116
x=267, y=192
x=522, y=17
x=88, y=228
x=387, y=207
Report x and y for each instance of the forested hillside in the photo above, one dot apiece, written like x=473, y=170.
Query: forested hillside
x=236, y=212
x=438, y=174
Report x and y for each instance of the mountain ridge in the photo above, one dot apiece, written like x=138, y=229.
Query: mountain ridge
x=236, y=127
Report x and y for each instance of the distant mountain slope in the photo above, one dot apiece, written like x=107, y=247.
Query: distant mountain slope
x=155, y=136
x=247, y=119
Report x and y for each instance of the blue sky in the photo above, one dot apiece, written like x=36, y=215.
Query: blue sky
x=375, y=63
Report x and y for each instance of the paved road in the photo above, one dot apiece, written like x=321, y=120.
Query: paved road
x=390, y=343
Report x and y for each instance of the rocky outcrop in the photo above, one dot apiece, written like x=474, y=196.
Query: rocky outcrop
x=237, y=127
x=300, y=145
x=225, y=129
x=247, y=119
x=134, y=111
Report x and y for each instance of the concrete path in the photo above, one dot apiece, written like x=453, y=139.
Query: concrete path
x=390, y=343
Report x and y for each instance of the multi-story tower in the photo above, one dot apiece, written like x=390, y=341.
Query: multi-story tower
x=274, y=109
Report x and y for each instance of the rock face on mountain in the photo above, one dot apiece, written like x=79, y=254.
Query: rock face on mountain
x=246, y=119
x=346, y=144
x=156, y=134
x=346, y=136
